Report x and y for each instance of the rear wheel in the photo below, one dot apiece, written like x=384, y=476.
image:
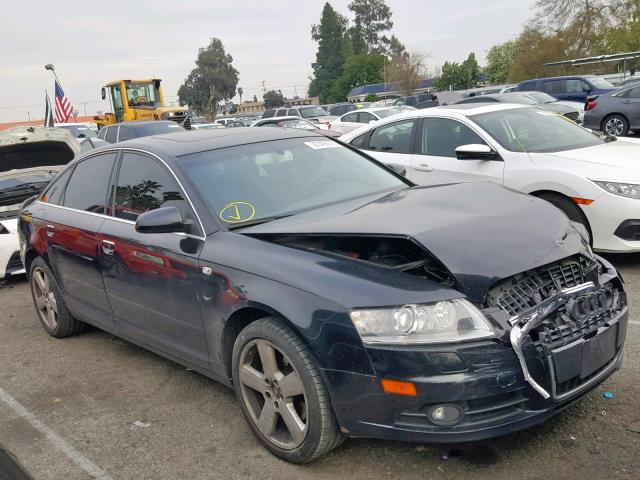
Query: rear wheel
x=47, y=298
x=570, y=209
x=282, y=393
x=615, y=125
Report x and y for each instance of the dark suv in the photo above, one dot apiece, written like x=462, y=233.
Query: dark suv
x=574, y=88
x=423, y=100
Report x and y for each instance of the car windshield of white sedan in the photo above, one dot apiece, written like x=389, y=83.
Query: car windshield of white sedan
x=248, y=183
x=535, y=130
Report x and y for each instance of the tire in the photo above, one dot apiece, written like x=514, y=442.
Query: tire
x=616, y=125
x=570, y=209
x=264, y=393
x=49, y=302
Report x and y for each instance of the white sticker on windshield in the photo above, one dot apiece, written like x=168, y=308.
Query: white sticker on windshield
x=319, y=144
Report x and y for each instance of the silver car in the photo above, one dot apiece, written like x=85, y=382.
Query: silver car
x=614, y=113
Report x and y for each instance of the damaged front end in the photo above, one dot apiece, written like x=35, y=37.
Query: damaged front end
x=574, y=312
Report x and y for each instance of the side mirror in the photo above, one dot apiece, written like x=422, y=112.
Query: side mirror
x=475, y=151
x=399, y=169
x=103, y=91
x=161, y=220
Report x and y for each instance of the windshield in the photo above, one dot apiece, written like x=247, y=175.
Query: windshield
x=388, y=112
x=311, y=112
x=79, y=131
x=143, y=94
x=542, y=97
x=16, y=189
x=521, y=99
x=155, y=128
x=600, y=82
x=299, y=124
x=248, y=183
x=535, y=130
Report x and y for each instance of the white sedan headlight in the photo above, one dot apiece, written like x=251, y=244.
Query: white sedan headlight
x=448, y=321
x=630, y=190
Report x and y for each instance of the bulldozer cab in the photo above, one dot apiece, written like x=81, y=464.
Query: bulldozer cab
x=139, y=100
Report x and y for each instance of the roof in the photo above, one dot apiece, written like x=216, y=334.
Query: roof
x=616, y=57
x=377, y=88
x=40, y=122
x=183, y=143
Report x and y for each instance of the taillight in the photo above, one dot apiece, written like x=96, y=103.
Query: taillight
x=591, y=105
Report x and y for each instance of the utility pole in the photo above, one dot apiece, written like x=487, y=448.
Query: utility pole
x=264, y=89
x=29, y=115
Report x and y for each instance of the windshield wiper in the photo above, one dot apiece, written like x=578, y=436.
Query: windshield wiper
x=257, y=221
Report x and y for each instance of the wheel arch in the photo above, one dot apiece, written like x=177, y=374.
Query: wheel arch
x=238, y=320
x=610, y=114
x=541, y=193
x=30, y=256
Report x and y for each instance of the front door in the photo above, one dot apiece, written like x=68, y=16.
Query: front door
x=73, y=221
x=152, y=279
x=435, y=161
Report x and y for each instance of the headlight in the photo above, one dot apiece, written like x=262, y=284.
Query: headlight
x=630, y=190
x=449, y=321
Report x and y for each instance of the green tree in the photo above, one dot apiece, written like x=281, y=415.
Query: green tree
x=500, y=60
x=273, y=99
x=358, y=70
x=471, y=70
x=213, y=80
x=330, y=35
x=452, y=77
x=371, y=19
x=372, y=97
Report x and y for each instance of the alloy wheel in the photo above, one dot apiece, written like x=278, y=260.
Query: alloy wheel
x=44, y=298
x=273, y=394
x=614, y=126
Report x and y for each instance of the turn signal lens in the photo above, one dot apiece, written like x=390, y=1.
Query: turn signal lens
x=396, y=387
x=581, y=201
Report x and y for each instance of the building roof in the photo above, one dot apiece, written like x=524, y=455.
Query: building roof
x=377, y=88
x=40, y=122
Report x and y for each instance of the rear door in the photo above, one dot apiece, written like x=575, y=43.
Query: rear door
x=152, y=279
x=631, y=106
x=435, y=161
x=347, y=123
x=391, y=143
x=72, y=236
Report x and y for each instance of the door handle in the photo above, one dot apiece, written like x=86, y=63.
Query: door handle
x=50, y=230
x=108, y=247
x=423, y=167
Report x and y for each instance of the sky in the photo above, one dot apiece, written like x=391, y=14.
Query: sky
x=92, y=43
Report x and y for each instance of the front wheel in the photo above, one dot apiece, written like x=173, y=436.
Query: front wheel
x=282, y=393
x=615, y=125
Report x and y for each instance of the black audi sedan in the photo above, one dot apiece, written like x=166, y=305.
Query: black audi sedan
x=337, y=298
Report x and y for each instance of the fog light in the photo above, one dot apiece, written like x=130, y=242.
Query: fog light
x=446, y=414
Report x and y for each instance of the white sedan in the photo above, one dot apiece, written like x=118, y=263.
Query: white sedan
x=357, y=118
x=593, y=179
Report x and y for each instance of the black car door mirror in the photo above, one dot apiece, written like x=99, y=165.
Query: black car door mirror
x=476, y=151
x=161, y=220
x=399, y=169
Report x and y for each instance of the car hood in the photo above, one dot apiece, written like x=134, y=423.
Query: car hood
x=619, y=160
x=481, y=232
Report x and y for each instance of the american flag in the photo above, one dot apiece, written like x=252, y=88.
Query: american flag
x=64, y=109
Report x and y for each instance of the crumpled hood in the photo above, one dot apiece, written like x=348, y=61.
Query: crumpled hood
x=481, y=232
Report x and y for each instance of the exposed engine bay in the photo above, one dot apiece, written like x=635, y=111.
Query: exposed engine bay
x=395, y=253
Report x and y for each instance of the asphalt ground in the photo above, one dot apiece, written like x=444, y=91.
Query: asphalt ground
x=95, y=406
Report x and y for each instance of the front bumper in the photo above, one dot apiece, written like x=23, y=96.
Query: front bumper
x=485, y=380
x=606, y=214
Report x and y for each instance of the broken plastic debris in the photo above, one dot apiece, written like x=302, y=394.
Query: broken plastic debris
x=604, y=413
x=139, y=424
x=445, y=456
x=608, y=395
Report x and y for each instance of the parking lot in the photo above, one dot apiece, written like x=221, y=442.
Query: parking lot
x=96, y=406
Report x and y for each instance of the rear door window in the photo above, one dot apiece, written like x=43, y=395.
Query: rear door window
x=366, y=117
x=554, y=86
x=352, y=117
x=88, y=185
x=126, y=133
x=528, y=87
x=54, y=193
x=393, y=138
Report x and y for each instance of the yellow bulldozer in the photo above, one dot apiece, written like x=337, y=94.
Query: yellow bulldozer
x=139, y=100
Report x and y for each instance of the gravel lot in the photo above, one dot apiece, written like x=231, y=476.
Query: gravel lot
x=124, y=413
